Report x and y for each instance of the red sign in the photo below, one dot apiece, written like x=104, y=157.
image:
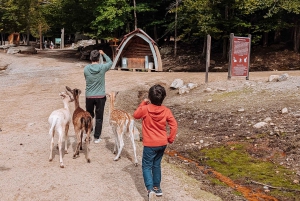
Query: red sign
x=240, y=56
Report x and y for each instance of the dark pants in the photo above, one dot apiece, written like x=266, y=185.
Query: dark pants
x=151, y=166
x=95, y=106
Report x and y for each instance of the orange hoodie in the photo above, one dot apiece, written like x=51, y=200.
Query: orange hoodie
x=154, y=125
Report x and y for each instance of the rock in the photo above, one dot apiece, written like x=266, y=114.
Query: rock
x=208, y=90
x=13, y=50
x=283, y=77
x=221, y=89
x=273, y=78
x=268, y=119
x=192, y=85
x=27, y=50
x=241, y=110
x=284, y=110
x=260, y=125
x=22, y=49
x=177, y=83
x=183, y=89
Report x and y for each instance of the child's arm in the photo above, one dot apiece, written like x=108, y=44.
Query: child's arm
x=138, y=113
x=173, y=127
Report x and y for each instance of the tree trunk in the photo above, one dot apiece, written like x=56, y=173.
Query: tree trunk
x=155, y=33
x=204, y=47
x=62, y=41
x=1, y=38
x=175, y=37
x=265, y=39
x=224, y=48
x=224, y=37
x=28, y=35
x=134, y=13
x=41, y=40
x=277, y=36
x=296, y=37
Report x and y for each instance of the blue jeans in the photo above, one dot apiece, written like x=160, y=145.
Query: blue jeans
x=151, y=166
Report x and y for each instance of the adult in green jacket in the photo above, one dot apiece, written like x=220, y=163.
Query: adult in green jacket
x=94, y=74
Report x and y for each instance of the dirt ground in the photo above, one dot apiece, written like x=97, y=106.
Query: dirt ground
x=29, y=93
x=227, y=112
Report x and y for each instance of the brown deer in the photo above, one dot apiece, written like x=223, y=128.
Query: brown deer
x=121, y=123
x=82, y=121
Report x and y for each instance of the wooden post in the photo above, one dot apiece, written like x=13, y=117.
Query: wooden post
x=230, y=52
x=208, y=47
x=247, y=78
x=62, y=37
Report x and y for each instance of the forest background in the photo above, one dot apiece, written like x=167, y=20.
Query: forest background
x=188, y=21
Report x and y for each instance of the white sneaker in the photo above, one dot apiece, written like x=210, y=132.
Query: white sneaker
x=96, y=141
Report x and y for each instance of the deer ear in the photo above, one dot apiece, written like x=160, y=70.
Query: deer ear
x=62, y=95
x=69, y=89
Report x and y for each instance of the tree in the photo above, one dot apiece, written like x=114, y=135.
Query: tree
x=111, y=16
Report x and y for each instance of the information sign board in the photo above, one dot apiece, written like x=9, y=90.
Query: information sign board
x=240, y=56
x=57, y=41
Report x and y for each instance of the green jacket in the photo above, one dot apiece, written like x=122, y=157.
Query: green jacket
x=95, y=77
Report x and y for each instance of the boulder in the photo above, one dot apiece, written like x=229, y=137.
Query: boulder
x=176, y=84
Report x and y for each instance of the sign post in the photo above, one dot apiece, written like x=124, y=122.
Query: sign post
x=239, y=59
x=208, y=46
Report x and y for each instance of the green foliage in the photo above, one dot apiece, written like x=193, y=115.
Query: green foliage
x=111, y=15
x=114, y=18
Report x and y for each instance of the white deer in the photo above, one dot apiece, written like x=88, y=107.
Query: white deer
x=59, y=121
x=121, y=123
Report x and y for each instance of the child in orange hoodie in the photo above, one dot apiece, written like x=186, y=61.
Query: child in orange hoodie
x=155, y=117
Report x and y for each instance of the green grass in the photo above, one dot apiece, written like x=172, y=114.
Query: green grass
x=237, y=164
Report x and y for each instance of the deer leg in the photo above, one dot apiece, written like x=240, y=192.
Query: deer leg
x=121, y=143
x=66, y=138
x=88, y=146
x=78, y=144
x=60, y=139
x=131, y=127
x=51, y=146
x=81, y=135
x=116, y=139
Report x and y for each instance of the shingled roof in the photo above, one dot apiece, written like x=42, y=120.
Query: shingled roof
x=135, y=46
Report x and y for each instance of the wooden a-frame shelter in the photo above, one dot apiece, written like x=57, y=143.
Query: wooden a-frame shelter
x=137, y=50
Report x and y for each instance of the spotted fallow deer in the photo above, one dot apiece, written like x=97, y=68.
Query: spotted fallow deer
x=122, y=123
x=82, y=122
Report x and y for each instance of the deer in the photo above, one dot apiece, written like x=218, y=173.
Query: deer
x=82, y=122
x=59, y=121
x=121, y=123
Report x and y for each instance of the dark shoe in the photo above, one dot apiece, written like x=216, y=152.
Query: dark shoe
x=151, y=196
x=157, y=191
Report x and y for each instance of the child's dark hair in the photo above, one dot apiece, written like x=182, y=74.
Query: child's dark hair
x=94, y=56
x=157, y=94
